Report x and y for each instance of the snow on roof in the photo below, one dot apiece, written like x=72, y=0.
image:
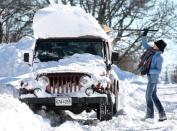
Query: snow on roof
x=65, y=21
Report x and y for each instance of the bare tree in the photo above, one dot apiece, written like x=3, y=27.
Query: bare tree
x=17, y=18
x=126, y=14
x=1, y=30
x=120, y=14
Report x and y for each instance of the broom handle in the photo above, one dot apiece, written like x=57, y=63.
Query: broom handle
x=134, y=29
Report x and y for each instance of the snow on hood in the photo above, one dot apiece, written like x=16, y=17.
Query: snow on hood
x=65, y=21
x=80, y=63
x=84, y=63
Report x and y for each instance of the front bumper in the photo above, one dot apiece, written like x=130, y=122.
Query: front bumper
x=82, y=102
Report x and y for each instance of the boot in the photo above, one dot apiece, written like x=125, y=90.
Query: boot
x=147, y=117
x=162, y=117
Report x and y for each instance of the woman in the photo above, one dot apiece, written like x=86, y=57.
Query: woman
x=153, y=75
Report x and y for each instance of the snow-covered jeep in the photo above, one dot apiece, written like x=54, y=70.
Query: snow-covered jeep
x=70, y=72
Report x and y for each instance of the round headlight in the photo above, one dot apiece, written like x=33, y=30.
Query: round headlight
x=43, y=81
x=89, y=91
x=85, y=81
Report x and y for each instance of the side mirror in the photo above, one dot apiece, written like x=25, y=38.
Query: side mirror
x=26, y=57
x=114, y=57
x=108, y=67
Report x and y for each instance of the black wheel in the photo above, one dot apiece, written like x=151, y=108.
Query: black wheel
x=77, y=111
x=116, y=90
x=101, y=111
x=34, y=108
x=109, y=107
x=115, y=106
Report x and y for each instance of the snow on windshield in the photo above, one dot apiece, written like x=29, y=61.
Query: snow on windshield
x=56, y=50
x=65, y=21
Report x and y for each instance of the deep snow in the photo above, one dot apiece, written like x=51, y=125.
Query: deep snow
x=132, y=107
x=131, y=111
x=21, y=118
x=17, y=116
x=65, y=21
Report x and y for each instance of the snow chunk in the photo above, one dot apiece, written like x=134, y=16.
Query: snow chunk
x=9, y=89
x=16, y=116
x=65, y=21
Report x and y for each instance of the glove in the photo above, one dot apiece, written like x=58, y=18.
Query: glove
x=145, y=32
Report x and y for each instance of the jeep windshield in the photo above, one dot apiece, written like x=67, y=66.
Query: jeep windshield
x=54, y=50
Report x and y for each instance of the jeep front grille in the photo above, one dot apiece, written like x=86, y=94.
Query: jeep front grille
x=64, y=82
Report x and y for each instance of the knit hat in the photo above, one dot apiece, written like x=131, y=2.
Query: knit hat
x=161, y=45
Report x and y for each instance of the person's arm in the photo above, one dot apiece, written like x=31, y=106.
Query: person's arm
x=144, y=39
x=145, y=43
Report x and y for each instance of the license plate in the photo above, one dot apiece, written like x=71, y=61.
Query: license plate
x=66, y=101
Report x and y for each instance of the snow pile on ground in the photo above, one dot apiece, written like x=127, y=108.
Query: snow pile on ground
x=21, y=118
x=132, y=110
x=65, y=21
x=11, y=62
x=16, y=116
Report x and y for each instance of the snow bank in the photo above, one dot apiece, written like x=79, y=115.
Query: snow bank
x=65, y=21
x=11, y=61
x=125, y=75
x=16, y=116
x=132, y=93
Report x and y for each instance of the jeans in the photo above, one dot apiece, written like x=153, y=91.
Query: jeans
x=151, y=97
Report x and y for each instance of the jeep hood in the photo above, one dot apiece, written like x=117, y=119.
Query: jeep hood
x=81, y=63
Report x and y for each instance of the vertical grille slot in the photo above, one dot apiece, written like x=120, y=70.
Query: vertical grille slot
x=64, y=82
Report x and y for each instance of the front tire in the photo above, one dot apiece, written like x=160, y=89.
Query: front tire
x=115, y=106
x=105, y=111
x=109, y=107
x=116, y=90
x=101, y=111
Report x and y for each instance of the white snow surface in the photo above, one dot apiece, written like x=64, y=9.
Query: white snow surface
x=86, y=63
x=59, y=20
x=17, y=116
x=11, y=61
